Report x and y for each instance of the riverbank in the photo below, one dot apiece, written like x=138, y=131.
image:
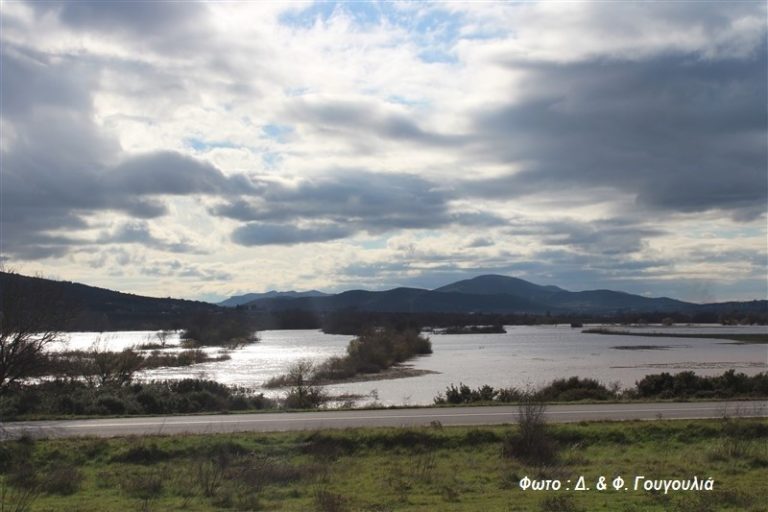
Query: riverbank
x=393, y=372
x=740, y=339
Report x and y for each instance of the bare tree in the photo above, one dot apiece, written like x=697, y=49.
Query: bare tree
x=304, y=393
x=112, y=368
x=31, y=318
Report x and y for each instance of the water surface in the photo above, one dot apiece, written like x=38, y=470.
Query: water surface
x=524, y=356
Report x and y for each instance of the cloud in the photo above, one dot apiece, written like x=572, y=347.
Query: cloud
x=342, y=203
x=481, y=242
x=139, y=232
x=678, y=133
x=583, y=142
x=257, y=233
x=579, y=31
x=604, y=237
x=358, y=118
x=170, y=173
x=59, y=168
x=167, y=26
x=178, y=269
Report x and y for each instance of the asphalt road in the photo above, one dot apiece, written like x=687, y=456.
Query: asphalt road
x=271, y=422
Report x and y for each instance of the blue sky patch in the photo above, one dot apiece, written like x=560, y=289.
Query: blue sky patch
x=278, y=132
x=271, y=159
x=207, y=145
x=434, y=30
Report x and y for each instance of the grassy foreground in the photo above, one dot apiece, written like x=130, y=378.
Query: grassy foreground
x=424, y=469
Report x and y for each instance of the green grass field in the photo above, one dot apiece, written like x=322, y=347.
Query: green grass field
x=384, y=469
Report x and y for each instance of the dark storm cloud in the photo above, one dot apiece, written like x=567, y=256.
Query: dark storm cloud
x=345, y=202
x=29, y=77
x=354, y=119
x=343, y=195
x=167, y=26
x=611, y=236
x=679, y=132
x=137, y=17
x=481, y=242
x=39, y=197
x=170, y=173
x=256, y=233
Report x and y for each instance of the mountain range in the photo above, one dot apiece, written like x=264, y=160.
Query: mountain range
x=92, y=308
x=487, y=294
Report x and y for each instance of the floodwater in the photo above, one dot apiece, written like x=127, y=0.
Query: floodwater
x=524, y=356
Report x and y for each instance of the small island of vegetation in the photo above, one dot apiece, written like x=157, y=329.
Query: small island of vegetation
x=471, y=329
x=736, y=337
x=372, y=352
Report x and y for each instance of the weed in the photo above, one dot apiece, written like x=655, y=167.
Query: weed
x=327, y=501
x=17, y=499
x=145, y=486
x=209, y=475
x=63, y=479
x=559, y=503
x=141, y=452
x=328, y=447
x=422, y=466
x=532, y=443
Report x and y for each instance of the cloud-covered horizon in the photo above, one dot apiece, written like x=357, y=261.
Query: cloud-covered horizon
x=210, y=149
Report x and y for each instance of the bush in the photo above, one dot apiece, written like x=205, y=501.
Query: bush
x=220, y=328
x=687, y=384
x=110, y=405
x=188, y=395
x=63, y=479
x=305, y=397
x=142, y=453
x=574, y=389
x=465, y=395
x=144, y=485
x=375, y=350
x=532, y=442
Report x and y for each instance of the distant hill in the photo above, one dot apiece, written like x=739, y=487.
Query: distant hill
x=99, y=309
x=403, y=300
x=494, y=294
x=501, y=285
x=238, y=300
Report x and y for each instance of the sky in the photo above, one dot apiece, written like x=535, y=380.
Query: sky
x=202, y=150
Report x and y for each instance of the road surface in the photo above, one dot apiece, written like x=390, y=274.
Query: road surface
x=282, y=421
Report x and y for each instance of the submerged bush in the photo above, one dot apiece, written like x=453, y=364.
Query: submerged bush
x=371, y=352
x=221, y=328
